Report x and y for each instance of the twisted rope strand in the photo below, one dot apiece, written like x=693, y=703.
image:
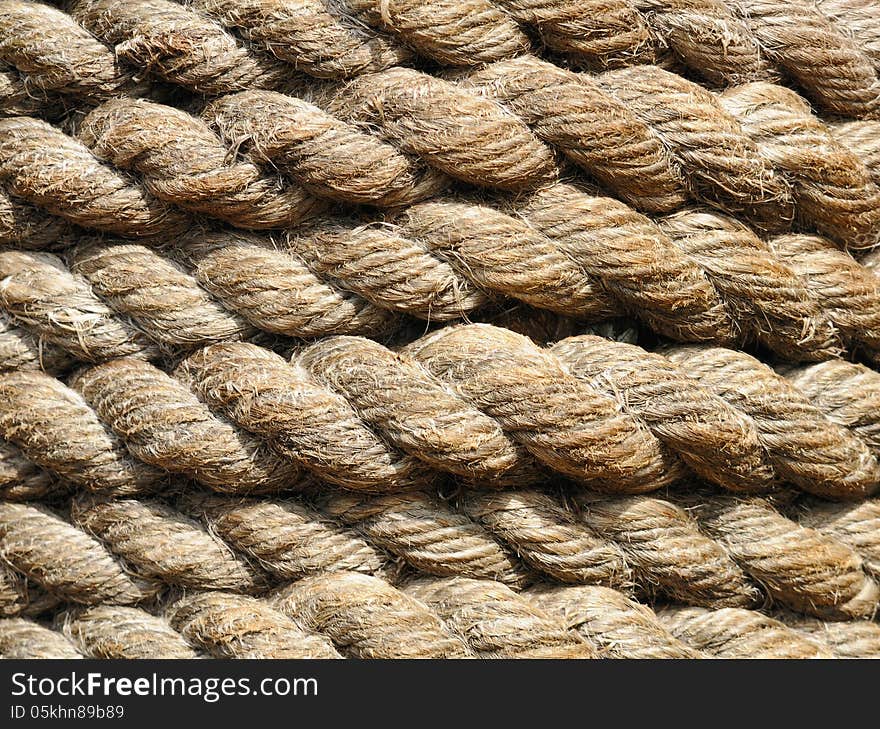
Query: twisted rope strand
x=52, y=170
x=181, y=161
x=56, y=429
x=805, y=446
x=855, y=525
x=165, y=425
x=118, y=632
x=427, y=534
x=507, y=377
x=24, y=639
x=832, y=188
x=309, y=34
x=286, y=538
x=24, y=226
x=847, y=291
x=365, y=617
x=852, y=639
x=237, y=626
x=20, y=350
x=159, y=543
x=495, y=621
x=667, y=550
x=304, y=421
x=738, y=633
x=614, y=624
x=64, y=560
x=329, y=157
x=799, y=567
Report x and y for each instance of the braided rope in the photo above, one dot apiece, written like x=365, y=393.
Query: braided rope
x=22, y=638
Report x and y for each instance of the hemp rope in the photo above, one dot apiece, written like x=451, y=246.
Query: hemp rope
x=365, y=617
x=666, y=549
x=119, y=632
x=495, y=621
x=799, y=567
x=23, y=480
x=617, y=626
x=738, y=633
x=158, y=543
x=287, y=539
x=237, y=626
x=219, y=455
x=20, y=350
x=852, y=639
x=65, y=560
x=21, y=638
x=854, y=525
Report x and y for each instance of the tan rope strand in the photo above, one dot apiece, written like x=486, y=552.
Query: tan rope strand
x=64, y=560
x=237, y=626
x=617, y=626
x=165, y=425
x=24, y=639
x=738, y=633
x=286, y=538
x=55, y=428
x=159, y=543
x=365, y=617
x=119, y=632
x=495, y=621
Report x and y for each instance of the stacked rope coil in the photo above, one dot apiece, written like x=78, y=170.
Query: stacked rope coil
x=440, y=330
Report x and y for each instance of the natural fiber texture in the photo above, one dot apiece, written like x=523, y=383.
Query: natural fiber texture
x=304, y=421
x=453, y=129
x=496, y=622
x=860, y=137
x=20, y=350
x=847, y=393
x=21, y=638
x=54, y=54
x=805, y=446
x=20, y=597
x=159, y=543
x=56, y=429
x=769, y=301
x=165, y=425
x=738, y=633
x=634, y=261
x=498, y=252
x=832, y=188
x=175, y=44
x=614, y=624
x=164, y=301
x=428, y=535
x=23, y=480
x=854, y=639
x=275, y=290
x=848, y=291
x=365, y=617
x=286, y=538
x=328, y=156
x=594, y=130
x=41, y=295
x=416, y=412
x=799, y=567
x=855, y=525
x=509, y=378
x=233, y=229
x=64, y=560
x=547, y=538
x=723, y=166
x=667, y=551
x=824, y=61
x=183, y=162
x=237, y=626
x=312, y=35
x=110, y=631
x=716, y=440
x=54, y=171
x=24, y=226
